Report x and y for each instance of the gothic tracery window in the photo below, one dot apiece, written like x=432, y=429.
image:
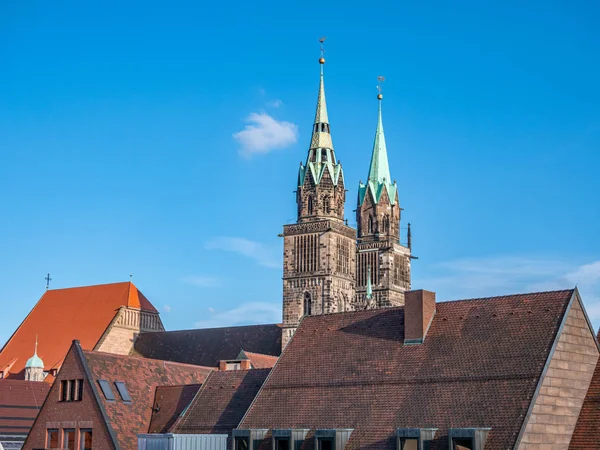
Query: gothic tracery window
x=370, y=228
x=307, y=304
x=310, y=204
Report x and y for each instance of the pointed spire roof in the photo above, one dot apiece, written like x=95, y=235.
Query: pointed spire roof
x=379, y=171
x=321, y=138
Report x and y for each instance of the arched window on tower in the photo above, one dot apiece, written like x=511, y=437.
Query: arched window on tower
x=370, y=228
x=326, y=204
x=307, y=304
x=386, y=223
x=310, y=205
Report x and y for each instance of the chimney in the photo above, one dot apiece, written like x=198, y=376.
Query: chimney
x=419, y=309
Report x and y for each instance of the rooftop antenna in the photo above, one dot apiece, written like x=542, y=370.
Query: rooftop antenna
x=130, y=277
x=48, y=280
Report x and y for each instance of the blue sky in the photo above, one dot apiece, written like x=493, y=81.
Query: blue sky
x=121, y=149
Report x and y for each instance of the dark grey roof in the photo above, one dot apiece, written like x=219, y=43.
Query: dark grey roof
x=206, y=347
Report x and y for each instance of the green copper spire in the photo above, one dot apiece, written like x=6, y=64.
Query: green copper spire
x=321, y=156
x=379, y=171
x=369, y=287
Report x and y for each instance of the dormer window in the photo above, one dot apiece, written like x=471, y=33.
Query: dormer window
x=288, y=439
x=248, y=439
x=414, y=438
x=332, y=439
x=468, y=438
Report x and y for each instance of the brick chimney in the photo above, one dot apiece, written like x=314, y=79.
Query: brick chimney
x=419, y=309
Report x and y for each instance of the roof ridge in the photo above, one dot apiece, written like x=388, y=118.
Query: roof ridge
x=88, y=286
x=143, y=358
x=216, y=328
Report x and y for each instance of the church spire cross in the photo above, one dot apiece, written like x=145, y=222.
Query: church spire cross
x=48, y=280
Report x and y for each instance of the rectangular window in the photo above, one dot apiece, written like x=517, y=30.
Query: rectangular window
x=409, y=444
x=64, y=390
x=69, y=439
x=85, y=440
x=79, y=390
x=52, y=438
x=325, y=444
x=72, y=390
x=241, y=443
x=462, y=444
x=123, y=392
x=106, y=390
x=282, y=444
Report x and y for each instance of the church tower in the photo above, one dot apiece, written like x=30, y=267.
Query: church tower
x=319, y=249
x=383, y=265
x=34, y=367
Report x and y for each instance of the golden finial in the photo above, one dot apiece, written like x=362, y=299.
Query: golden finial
x=380, y=81
x=322, y=59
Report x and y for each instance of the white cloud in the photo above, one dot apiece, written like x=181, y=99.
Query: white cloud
x=275, y=103
x=476, y=277
x=167, y=308
x=211, y=310
x=264, y=134
x=259, y=252
x=247, y=313
x=202, y=280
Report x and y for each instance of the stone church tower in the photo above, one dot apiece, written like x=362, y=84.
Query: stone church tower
x=319, y=250
x=383, y=265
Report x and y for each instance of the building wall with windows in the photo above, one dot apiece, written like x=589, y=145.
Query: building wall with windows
x=70, y=414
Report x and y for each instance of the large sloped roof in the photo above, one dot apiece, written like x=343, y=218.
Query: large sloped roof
x=169, y=403
x=221, y=402
x=478, y=367
x=206, y=347
x=141, y=376
x=20, y=402
x=587, y=431
x=61, y=316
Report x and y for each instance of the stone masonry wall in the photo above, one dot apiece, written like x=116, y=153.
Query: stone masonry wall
x=124, y=329
x=564, y=387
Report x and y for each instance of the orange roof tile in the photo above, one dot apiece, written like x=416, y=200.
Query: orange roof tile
x=62, y=315
x=260, y=361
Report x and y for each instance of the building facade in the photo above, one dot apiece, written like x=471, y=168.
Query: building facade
x=327, y=266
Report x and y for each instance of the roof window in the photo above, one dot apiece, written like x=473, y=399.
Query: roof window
x=468, y=438
x=414, y=438
x=248, y=439
x=123, y=392
x=288, y=439
x=332, y=439
x=106, y=390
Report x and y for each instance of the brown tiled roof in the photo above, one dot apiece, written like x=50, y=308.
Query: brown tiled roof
x=478, y=367
x=62, y=315
x=221, y=402
x=169, y=403
x=142, y=376
x=587, y=431
x=20, y=402
x=206, y=347
x=259, y=361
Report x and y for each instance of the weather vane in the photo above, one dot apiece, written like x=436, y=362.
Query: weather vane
x=322, y=58
x=380, y=81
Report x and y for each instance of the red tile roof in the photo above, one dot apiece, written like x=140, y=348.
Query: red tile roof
x=62, y=315
x=169, y=403
x=20, y=402
x=587, y=431
x=141, y=376
x=260, y=361
x=221, y=402
x=206, y=347
x=478, y=367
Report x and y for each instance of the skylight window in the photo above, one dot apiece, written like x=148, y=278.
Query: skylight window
x=106, y=390
x=123, y=392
